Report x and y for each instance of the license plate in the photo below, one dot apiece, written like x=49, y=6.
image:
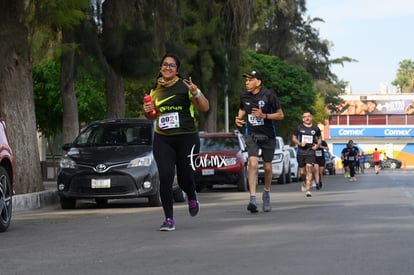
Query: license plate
x=101, y=183
x=207, y=172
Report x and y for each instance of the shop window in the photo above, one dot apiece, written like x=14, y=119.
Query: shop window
x=410, y=120
x=358, y=120
x=396, y=120
x=377, y=120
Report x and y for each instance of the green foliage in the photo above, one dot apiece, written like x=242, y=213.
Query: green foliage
x=134, y=94
x=292, y=84
x=90, y=94
x=48, y=102
x=60, y=13
x=207, y=35
x=405, y=76
x=329, y=93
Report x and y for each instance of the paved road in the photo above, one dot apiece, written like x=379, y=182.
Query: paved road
x=347, y=228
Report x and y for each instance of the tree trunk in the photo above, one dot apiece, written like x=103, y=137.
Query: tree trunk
x=17, y=99
x=210, y=123
x=70, y=123
x=115, y=97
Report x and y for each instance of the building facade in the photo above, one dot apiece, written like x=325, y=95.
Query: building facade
x=383, y=121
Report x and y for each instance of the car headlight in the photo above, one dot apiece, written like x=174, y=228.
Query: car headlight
x=67, y=162
x=278, y=157
x=230, y=161
x=141, y=161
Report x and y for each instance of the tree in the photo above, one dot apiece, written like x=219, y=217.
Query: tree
x=48, y=100
x=283, y=32
x=330, y=94
x=16, y=96
x=61, y=17
x=213, y=33
x=405, y=76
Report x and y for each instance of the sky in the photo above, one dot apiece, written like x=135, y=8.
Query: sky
x=377, y=33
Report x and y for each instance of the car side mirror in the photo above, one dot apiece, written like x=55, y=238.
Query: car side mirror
x=66, y=147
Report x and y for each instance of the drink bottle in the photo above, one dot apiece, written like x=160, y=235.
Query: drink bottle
x=147, y=98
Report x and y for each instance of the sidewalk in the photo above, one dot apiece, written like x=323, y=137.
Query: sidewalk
x=37, y=199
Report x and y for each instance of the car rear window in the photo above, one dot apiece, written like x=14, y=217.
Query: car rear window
x=219, y=144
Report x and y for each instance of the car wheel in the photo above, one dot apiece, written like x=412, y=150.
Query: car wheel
x=101, y=202
x=282, y=177
x=154, y=200
x=179, y=195
x=242, y=182
x=367, y=165
x=66, y=203
x=393, y=165
x=288, y=176
x=5, y=199
x=296, y=179
x=199, y=188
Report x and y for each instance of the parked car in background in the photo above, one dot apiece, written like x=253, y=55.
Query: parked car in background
x=281, y=170
x=222, y=160
x=110, y=159
x=294, y=165
x=330, y=167
x=6, y=179
x=386, y=163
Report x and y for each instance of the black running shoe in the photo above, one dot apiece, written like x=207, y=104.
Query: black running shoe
x=168, y=225
x=252, y=207
x=193, y=207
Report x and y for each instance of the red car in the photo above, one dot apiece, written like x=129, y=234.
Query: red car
x=222, y=160
x=6, y=179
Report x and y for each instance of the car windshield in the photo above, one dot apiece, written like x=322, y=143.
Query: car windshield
x=115, y=134
x=219, y=144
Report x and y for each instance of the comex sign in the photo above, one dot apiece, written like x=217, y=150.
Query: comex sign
x=352, y=132
x=397, y=133
x=371, y=132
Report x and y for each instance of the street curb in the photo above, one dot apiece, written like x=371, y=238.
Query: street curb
x=35, y=200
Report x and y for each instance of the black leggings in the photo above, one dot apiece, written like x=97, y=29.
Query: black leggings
x=352, y=169
x=173, y=153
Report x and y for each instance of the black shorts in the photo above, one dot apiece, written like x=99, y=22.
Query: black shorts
x=305, y=159
x=347, y=163
x=267, y=144
x=320, y=161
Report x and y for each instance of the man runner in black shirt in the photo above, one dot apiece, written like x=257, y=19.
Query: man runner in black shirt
x=262, y=107
x=308, y=139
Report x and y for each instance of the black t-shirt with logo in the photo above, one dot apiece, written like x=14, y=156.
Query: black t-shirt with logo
x=308, y=134
x=266, y=100
x=350, y=154
x=320, y=152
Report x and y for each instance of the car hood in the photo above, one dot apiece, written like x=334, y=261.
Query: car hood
x=107, y=154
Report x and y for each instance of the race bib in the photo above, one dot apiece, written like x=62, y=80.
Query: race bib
x=169, y=121
x=254, y=120
x=351, y=158
x=308, y=139
x=318, y=153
